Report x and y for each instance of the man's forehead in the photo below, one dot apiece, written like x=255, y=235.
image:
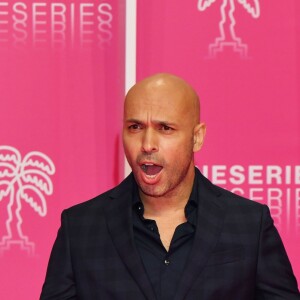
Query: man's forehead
x=149, y=109
x=158, y=114
x=158, y=107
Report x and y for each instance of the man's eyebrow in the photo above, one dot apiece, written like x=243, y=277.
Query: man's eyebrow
x=133, y=121
x=157, y=122
x=166, y=123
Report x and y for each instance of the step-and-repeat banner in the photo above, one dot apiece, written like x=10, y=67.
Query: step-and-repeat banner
x=62, y=87
x=243, y=58
x=61, y=93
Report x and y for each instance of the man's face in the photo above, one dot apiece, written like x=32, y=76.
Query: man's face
x=159, y=138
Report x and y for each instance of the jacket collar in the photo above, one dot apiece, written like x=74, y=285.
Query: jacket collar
x=211, y=213
x=119, y=221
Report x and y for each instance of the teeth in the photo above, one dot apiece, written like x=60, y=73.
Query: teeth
x=150, y=176
x=144, y=166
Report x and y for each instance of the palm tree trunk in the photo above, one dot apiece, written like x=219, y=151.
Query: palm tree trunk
x=227, y=23
x=10, y=228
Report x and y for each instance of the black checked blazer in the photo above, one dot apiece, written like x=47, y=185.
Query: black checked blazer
x=237, y=253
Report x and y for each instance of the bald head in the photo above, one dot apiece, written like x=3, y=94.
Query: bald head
x=161, y=133
x=168, y=90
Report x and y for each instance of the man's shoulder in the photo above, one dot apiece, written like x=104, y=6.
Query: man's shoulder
x=233, y=199
x=92, y=203
x=229, y=198
x=101, y=200
x=235, y=208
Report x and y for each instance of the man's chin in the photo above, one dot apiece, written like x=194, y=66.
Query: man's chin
x=152, y=191
x=157, y=191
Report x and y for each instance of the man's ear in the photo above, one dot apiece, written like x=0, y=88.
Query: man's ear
x=199, y=134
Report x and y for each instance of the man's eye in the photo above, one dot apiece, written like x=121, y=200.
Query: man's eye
x=166, y=128
x=135, y=126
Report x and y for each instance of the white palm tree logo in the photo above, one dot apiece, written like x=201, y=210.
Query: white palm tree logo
x=24, y=179
x=228, y=37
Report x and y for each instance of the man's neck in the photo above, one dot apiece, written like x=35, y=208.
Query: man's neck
x=168, y=210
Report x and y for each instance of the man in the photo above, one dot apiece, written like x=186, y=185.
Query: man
x=166, y=232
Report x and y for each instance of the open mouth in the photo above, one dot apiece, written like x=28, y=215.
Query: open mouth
x=151, y=170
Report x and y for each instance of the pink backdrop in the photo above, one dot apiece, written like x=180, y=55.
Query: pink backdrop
x=61, y=87
x=244, y=62
x=62, y=84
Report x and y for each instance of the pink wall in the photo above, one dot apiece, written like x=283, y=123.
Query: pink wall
x=62, y=84
x=245, y=66
x=61, y=87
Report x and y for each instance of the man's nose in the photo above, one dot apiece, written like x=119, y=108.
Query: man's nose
x=149, y=142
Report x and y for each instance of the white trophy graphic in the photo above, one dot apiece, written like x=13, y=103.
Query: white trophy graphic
x=228, y=37
x=24, y=180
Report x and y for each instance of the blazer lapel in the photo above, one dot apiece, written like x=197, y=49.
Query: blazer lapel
x=210, y=218
x=119, y=220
